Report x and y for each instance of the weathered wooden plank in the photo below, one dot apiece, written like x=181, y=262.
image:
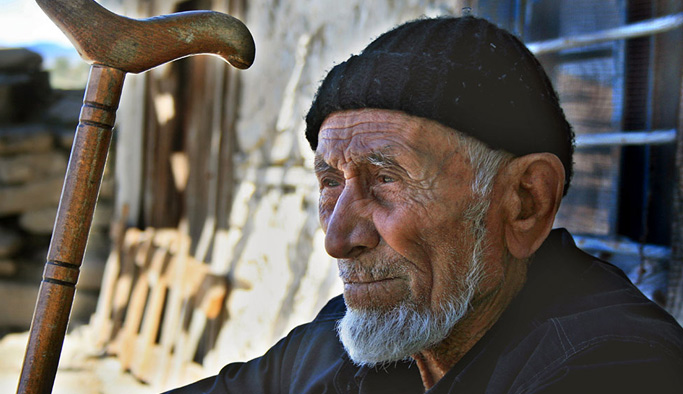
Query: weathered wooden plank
x=146, y=350
x=214, y=86
x=124, y=283
x=172, y=325
x=125, y=339
x=184, y=346
x=229, y=103
x=675, y=288
x=197, y=115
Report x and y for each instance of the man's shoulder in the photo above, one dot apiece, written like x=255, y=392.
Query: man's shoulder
x=585, y=316
x=585, y=298
x=610, y=348
x=609, y=330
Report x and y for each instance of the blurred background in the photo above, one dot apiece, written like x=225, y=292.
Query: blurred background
x=206, y=246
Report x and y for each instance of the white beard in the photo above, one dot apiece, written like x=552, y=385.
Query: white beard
x=374, y=337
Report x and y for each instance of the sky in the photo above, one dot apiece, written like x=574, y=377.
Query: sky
x=23, y=23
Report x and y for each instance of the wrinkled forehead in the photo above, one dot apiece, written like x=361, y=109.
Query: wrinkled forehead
x=368, y=123
x=352, y=140
x=355, y=134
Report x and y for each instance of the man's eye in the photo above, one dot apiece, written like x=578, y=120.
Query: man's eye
x=386, y=179
x=327, y=182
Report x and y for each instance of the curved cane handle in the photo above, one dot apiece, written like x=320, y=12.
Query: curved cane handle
x=137, y=45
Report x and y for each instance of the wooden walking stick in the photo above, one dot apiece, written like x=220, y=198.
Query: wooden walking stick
x=114, y=45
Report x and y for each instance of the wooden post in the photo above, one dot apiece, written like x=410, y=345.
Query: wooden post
x=668, y=112
x=72, y=226
x=675, y=292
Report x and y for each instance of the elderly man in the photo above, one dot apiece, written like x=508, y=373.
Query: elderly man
x=442, y=156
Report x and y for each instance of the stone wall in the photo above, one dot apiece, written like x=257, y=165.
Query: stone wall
x=37, y=127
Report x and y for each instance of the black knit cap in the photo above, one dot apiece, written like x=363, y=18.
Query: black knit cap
x=465, y=73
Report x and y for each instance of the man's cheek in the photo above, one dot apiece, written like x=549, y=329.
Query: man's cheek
x=400, y=231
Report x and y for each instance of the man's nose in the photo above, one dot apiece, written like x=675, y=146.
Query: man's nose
x=350, y=229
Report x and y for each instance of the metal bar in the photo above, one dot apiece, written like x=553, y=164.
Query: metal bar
x=622, y=247
x=645, y=28
x=520, y=14
x=654, y=137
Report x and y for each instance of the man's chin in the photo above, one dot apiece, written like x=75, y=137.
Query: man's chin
x=373, y=337
x=370, y=336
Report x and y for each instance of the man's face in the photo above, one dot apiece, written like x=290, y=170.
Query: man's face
x=395, y=193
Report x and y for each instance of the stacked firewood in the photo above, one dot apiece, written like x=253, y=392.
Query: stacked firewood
x=37, y=127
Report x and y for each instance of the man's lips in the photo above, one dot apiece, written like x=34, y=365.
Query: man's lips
x=375, y=283
x=362, y=273
x=352, y=282
x=374, y=293
x=370, y=288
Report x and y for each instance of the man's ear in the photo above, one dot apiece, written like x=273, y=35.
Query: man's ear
x=533, y=188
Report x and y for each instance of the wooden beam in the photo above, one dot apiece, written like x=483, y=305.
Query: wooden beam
x=675, y=291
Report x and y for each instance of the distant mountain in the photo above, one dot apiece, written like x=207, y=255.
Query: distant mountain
x=51, y=51
x=67, y=69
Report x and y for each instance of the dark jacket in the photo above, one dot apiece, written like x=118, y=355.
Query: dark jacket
x=577, y=326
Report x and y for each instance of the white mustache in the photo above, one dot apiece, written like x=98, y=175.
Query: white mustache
x=353, y=271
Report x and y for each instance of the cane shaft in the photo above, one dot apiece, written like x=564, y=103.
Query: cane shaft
x=72, y=225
